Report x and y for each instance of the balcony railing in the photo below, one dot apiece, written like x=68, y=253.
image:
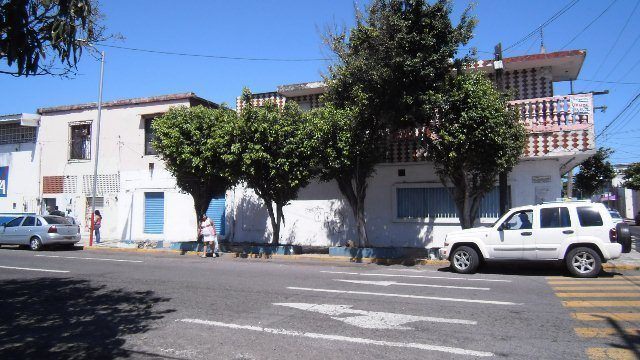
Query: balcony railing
x=557, y=113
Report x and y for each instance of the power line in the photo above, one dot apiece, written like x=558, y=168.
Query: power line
x=610, y=82
x=589, y=25
x=617, y=39
x=546, y=23
x=212, y=56
x=630, y=69
x=627, y=118
x=619, y=114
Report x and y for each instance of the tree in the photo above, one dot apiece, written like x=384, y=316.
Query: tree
x=33, y=30
x=391, y=69
x=474, y=139
x=595, y=173
x=348, y=152
x=274, y=155
x=194, y=144
x=631, y=176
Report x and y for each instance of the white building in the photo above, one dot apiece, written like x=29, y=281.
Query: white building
x=19, y=163
x=136, y=195
x=406, y=204
x=627, y=200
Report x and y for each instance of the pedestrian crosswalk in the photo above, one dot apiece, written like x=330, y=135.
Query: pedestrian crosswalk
x=606, y=312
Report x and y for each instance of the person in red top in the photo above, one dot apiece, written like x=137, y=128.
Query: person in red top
x=97, y=223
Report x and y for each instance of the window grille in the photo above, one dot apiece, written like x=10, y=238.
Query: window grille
x=106, y=184
x=17, y=134
x=80, y=142
x=424, y=202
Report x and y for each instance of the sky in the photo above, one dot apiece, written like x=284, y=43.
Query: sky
x=292, y=30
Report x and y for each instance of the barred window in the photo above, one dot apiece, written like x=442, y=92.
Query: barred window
x=149, y=136
x=425, y=202
x=16, y=134
x=80, y=143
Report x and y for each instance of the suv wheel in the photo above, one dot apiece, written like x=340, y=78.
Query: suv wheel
x=465, y=260
x=583, y=262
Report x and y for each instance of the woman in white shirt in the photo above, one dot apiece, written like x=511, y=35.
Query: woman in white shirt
x=209, y=236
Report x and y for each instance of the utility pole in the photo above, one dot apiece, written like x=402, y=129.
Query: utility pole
x=498, y=66
x=95, y=164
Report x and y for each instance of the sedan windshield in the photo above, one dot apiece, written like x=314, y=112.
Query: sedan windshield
x=56, y=220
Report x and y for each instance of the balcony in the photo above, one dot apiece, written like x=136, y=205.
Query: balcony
x=558, y=126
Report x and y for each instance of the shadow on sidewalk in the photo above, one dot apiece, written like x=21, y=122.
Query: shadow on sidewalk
x=58, y=318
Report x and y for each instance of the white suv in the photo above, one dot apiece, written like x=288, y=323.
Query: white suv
x=581, y=233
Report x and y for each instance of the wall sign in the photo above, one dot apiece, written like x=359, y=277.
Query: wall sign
x=541, y=179
x=580, y=105
x=4, y=180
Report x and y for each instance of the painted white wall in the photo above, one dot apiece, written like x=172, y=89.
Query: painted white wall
x=121, y=152
x=320, y=216
x=22, y=185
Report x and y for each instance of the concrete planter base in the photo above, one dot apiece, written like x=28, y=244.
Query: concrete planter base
x=243, y=249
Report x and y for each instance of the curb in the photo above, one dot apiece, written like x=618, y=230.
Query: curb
x=620, y=267
x=238, y=255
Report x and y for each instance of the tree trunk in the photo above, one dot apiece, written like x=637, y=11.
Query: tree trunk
x=355, y=198
x=274, y=217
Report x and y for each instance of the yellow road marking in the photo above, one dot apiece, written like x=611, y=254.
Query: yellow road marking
x=598, y=294
x=615, y=277
x=610, y=353
x=595, y=316
x=600, y=303
x=578, y=282
x=591, y=332
x=603, y=288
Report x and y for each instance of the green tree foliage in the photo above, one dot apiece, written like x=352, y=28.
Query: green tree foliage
x=474, y=138
x=274, y=155
x=390, y=72
x=194, y=144
x=595, y=173
x=631, y=176
x=348, y=154
x=34, y=31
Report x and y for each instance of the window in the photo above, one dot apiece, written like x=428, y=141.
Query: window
x=14, y=222
x=16, y=134
x=555, y=217
x=521, y=220
x=80, y=143
x=423, y=202
x=29, y=221
x=149, y=136
x=38, y=222
x=56, y=220
x=589, y=216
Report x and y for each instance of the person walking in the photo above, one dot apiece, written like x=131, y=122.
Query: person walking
x=97, y=223
x=209, y=236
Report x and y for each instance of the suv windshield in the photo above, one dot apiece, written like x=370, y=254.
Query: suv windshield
x=56, y=220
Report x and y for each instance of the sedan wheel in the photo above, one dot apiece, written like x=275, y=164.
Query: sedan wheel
x=583, y=262
x=35, y=244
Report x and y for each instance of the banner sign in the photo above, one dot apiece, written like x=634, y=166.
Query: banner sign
x=580, y=105
x=4, y=180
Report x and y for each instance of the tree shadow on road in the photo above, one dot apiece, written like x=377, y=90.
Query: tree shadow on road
x=61, y=318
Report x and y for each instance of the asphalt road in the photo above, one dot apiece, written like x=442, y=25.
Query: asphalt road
x=103, y=304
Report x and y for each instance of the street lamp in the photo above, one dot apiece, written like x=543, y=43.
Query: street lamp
x=95, y=163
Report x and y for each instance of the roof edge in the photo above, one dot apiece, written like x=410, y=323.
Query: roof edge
x=191, y=96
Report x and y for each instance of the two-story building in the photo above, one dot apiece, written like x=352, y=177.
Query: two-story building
x=19, y=164
x=136, y=195
x=406, y=203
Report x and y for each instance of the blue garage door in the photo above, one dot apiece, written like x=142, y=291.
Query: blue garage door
x=153, y=213
x=215, y=212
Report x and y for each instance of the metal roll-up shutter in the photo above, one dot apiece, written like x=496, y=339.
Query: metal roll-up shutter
x=216, y=212
x=153, y=213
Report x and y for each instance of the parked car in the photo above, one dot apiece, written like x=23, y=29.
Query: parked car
x=615, y=215
x=582, y=234
x=38, y=231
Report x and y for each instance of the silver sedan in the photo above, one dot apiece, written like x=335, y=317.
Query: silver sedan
x=37, y=231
